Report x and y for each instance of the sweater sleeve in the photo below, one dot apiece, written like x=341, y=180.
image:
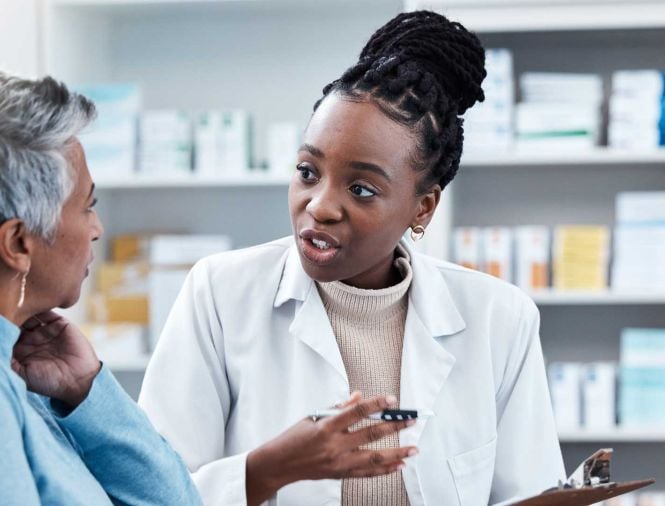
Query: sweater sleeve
x=117, y=442
x=187, y=396
x=17, y=485
x=528, y=458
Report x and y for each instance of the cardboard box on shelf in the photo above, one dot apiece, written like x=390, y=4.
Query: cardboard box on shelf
x=119, y=308
x=532, y=257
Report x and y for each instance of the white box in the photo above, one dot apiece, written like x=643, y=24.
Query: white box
x=466, y=247
x=283, y=144
x=565, y=389
x=497, y=252
x=532, y=257
x=165, y=142
x=234, y=142
x=185, y=250
x=640, y=207
x=599, y=394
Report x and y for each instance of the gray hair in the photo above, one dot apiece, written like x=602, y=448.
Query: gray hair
x=38, y=120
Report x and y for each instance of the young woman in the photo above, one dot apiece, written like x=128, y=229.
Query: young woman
x=259, y=338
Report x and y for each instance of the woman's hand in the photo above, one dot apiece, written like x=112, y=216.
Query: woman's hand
x=55, y=359
x=313, y=450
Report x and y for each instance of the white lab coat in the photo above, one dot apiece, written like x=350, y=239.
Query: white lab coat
x=248, y=350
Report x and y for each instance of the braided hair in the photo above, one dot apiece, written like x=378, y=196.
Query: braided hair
x=423, y=71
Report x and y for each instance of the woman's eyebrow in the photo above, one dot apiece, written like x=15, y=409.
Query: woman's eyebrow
x=371, y=168
x=312, y=150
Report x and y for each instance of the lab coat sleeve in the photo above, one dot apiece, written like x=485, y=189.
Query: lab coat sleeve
x=528, y=458
x=186, y=392
x=17, y=485
x=131, y=461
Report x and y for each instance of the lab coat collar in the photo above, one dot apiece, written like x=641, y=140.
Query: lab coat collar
x=429, y=293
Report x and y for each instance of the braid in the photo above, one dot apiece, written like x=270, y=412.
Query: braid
x=423, y=71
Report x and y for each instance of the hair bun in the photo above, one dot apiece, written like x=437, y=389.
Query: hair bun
x=445, y=49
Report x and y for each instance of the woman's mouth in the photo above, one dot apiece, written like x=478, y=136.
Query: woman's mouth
x=318, y=250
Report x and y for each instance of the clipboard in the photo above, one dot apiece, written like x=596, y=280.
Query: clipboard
x=590, y=483
x=583, y=496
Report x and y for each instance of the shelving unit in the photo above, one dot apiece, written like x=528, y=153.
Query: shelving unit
x=618, y=435
x=205, y=66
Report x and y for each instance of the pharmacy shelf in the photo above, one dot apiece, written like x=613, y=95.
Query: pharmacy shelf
x=618, y=435
x=539, y=16
x=599, y=156
x=606, y=297
x=162, y=181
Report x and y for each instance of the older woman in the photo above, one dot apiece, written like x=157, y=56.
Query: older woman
x=70, y=435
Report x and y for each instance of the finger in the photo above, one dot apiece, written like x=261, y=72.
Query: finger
x=375, y=431
x=360, y=410
x=356, y=396
x=368, y=460
x=40, y=320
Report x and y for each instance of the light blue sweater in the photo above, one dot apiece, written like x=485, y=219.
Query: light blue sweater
x=103, y=452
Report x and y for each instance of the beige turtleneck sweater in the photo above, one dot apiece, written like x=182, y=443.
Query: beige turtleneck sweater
x=369, y=327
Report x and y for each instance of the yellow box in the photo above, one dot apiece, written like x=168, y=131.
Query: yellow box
x=129, y=247
x=112, y=308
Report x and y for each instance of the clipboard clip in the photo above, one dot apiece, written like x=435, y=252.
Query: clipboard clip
x=593, y=472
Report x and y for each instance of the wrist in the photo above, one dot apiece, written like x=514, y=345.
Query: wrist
x=265, y=474
x=80, y=388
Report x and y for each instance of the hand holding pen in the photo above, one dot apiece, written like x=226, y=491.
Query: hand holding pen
x=325, y=448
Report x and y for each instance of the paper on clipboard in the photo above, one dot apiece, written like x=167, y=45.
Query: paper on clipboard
x=589, y=484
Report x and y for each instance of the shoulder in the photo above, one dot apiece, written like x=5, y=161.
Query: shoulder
x=237, y=272
x=474, y=291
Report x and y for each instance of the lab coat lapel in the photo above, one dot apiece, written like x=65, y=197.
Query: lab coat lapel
x=426, y=363
x=310, y=323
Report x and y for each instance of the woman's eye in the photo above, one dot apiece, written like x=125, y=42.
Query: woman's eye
x=92, y=204
x=305, y=172
x=361, y=191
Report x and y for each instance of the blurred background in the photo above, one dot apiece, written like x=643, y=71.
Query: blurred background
x=562, y=187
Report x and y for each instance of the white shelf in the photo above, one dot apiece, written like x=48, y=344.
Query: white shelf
x=538, y=16
x=593, y=158
x=608, y=297
x=618, y=435
x=599, y=156
x=194, y=181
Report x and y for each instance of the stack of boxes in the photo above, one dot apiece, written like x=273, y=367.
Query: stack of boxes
x=639, y=242
x=110, y=142
x=137, y=287
x=637, y=122
x=559, y=112
x=580, y=257
x=519, y=255
x=604, y=395
x=165, y=142
x=223, y=143
x=488, y=126
x=642, y=386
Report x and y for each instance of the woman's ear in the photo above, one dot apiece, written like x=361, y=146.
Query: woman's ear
x=16, y=245
x=427, y=203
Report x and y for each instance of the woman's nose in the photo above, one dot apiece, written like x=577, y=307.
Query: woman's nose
x=98, y=228
x=324, y=206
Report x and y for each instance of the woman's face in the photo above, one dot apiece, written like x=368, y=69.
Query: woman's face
x=59, y=268
x=354, y=193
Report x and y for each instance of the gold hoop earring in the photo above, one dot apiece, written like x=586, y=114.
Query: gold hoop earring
x=417, y=233
x=21, y=298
